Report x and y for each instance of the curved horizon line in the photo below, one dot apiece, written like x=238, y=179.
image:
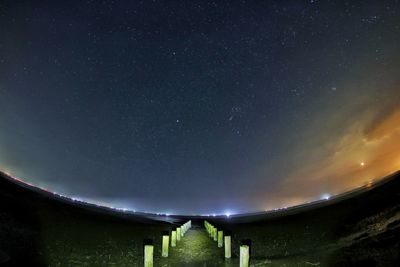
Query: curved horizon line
x=125, y=211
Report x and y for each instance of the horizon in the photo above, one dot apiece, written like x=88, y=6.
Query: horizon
x=279, y=210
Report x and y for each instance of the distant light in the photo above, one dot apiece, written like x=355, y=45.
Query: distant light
x=326, y=196
x=228, y=215
x=362, y=164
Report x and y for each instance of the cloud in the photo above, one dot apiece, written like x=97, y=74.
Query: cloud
x=365, y=152
x=386, y=127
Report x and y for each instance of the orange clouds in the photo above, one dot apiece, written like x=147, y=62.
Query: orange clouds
x=389, y=125
x=362, y=154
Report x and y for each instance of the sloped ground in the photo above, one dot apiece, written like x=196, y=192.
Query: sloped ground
x=364, y=231
x=65, y=241
x=375, y=241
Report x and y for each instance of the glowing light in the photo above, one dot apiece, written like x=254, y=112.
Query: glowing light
x=362, y=164
x=326, y=196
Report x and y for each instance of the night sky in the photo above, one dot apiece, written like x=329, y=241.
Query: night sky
x=194, y=107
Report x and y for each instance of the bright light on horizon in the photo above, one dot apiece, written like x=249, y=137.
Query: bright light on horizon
x=326, y=196
x=89, y=201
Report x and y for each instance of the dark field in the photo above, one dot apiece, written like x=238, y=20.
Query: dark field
x=363, y=230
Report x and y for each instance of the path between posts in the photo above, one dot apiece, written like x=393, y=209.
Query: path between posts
x=196, y=248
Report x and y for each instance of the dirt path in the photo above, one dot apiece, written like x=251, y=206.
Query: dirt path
x=196, y=249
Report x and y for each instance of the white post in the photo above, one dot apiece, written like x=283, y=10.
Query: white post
x=178, y=234
x=244, y=256
x=220, y=239
x=227, y=246
x=215, y=234
x=173, y=238
x=165, y=245
x=148, y=255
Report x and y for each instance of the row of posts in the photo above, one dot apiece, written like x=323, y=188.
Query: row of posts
x=176, y=236
x=218, y=236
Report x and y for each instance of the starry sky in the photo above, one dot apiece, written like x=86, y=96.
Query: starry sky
x=195, y=107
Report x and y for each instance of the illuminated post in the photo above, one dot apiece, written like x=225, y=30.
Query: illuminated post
x=244, y=256
x=220, y=239
x=183, y=230
x=227, y=246
x=173, y=238
x=178, y=234
x=215, y=234
x=209, y=228
x=148, y=255
x=165, y=245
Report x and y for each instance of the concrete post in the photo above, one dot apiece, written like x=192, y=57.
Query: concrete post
x=173, y=238
x=215, y=234
x=227, y=244
x=165, y=246
x=148, y=255
x=178, y=234
x=244, y=256
x=220, y=239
